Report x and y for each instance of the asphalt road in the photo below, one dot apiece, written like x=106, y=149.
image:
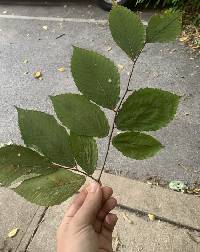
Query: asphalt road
x=83, y=23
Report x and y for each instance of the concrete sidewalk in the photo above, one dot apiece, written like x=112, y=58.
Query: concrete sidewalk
x=176, y=226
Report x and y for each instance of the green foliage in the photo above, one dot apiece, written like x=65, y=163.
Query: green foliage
x=164, y=28
x=42, y=132
x=58, y=156
x=80, y=115
x=85, y=151
x=136, y=145
x=96, y=77
x=127, y=30
x=51, y=189
x=147, y=109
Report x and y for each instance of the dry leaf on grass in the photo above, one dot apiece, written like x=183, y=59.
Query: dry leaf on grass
x=109, y=49
x=12, y=233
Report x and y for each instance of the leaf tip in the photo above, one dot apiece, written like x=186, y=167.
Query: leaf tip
x=19, y=109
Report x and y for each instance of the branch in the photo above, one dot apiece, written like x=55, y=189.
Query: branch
x=116, y=111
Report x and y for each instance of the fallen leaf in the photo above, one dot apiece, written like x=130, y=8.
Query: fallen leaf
x=61, y=69
x=196, y=190
x=12, y=233
x=45, y=27
x=120, y=67
x=109, y=49
x=116, y=242
x=25, y=73
x=183, y=39
x=25, y=61
x=37, y=75
x=177, y=185
x=127, y=218
x=151, y=217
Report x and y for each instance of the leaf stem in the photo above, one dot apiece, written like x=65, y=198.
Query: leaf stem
x=74, y=169
x=116, y=111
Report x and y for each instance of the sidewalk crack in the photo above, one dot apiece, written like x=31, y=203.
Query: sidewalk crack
x=35, y=230
x=141, y=213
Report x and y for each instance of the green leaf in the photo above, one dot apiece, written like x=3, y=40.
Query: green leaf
x=127, y=30
x=43, y=133
x=85, y=152
x=80, y=115
x=147, y=109
x=136, y=145
x=17, y=161
x=164, y=28
x=51, y=189
x=33, y=177
x=96, y=77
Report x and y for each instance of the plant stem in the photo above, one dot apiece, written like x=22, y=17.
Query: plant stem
x=116, y=111
x=74, y=169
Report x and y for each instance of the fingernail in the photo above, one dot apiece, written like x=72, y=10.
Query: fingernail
x=108, y=219
x=93, y=187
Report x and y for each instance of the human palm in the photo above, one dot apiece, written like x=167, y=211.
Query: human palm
x=88, y=223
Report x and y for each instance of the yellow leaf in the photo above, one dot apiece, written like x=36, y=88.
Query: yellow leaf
x=25, y=61
x=182, y=39
x=61, y=69
x=12, y=233
x=109, y=49
x=37, y=74
x=151, y=217
x=120, y=67
x=127, y=218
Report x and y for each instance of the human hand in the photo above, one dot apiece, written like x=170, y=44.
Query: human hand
x=88, y=224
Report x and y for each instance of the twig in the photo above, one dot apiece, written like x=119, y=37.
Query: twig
x=61, y=35
x=116, y=111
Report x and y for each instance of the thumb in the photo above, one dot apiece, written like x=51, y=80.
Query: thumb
x=86, y=215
